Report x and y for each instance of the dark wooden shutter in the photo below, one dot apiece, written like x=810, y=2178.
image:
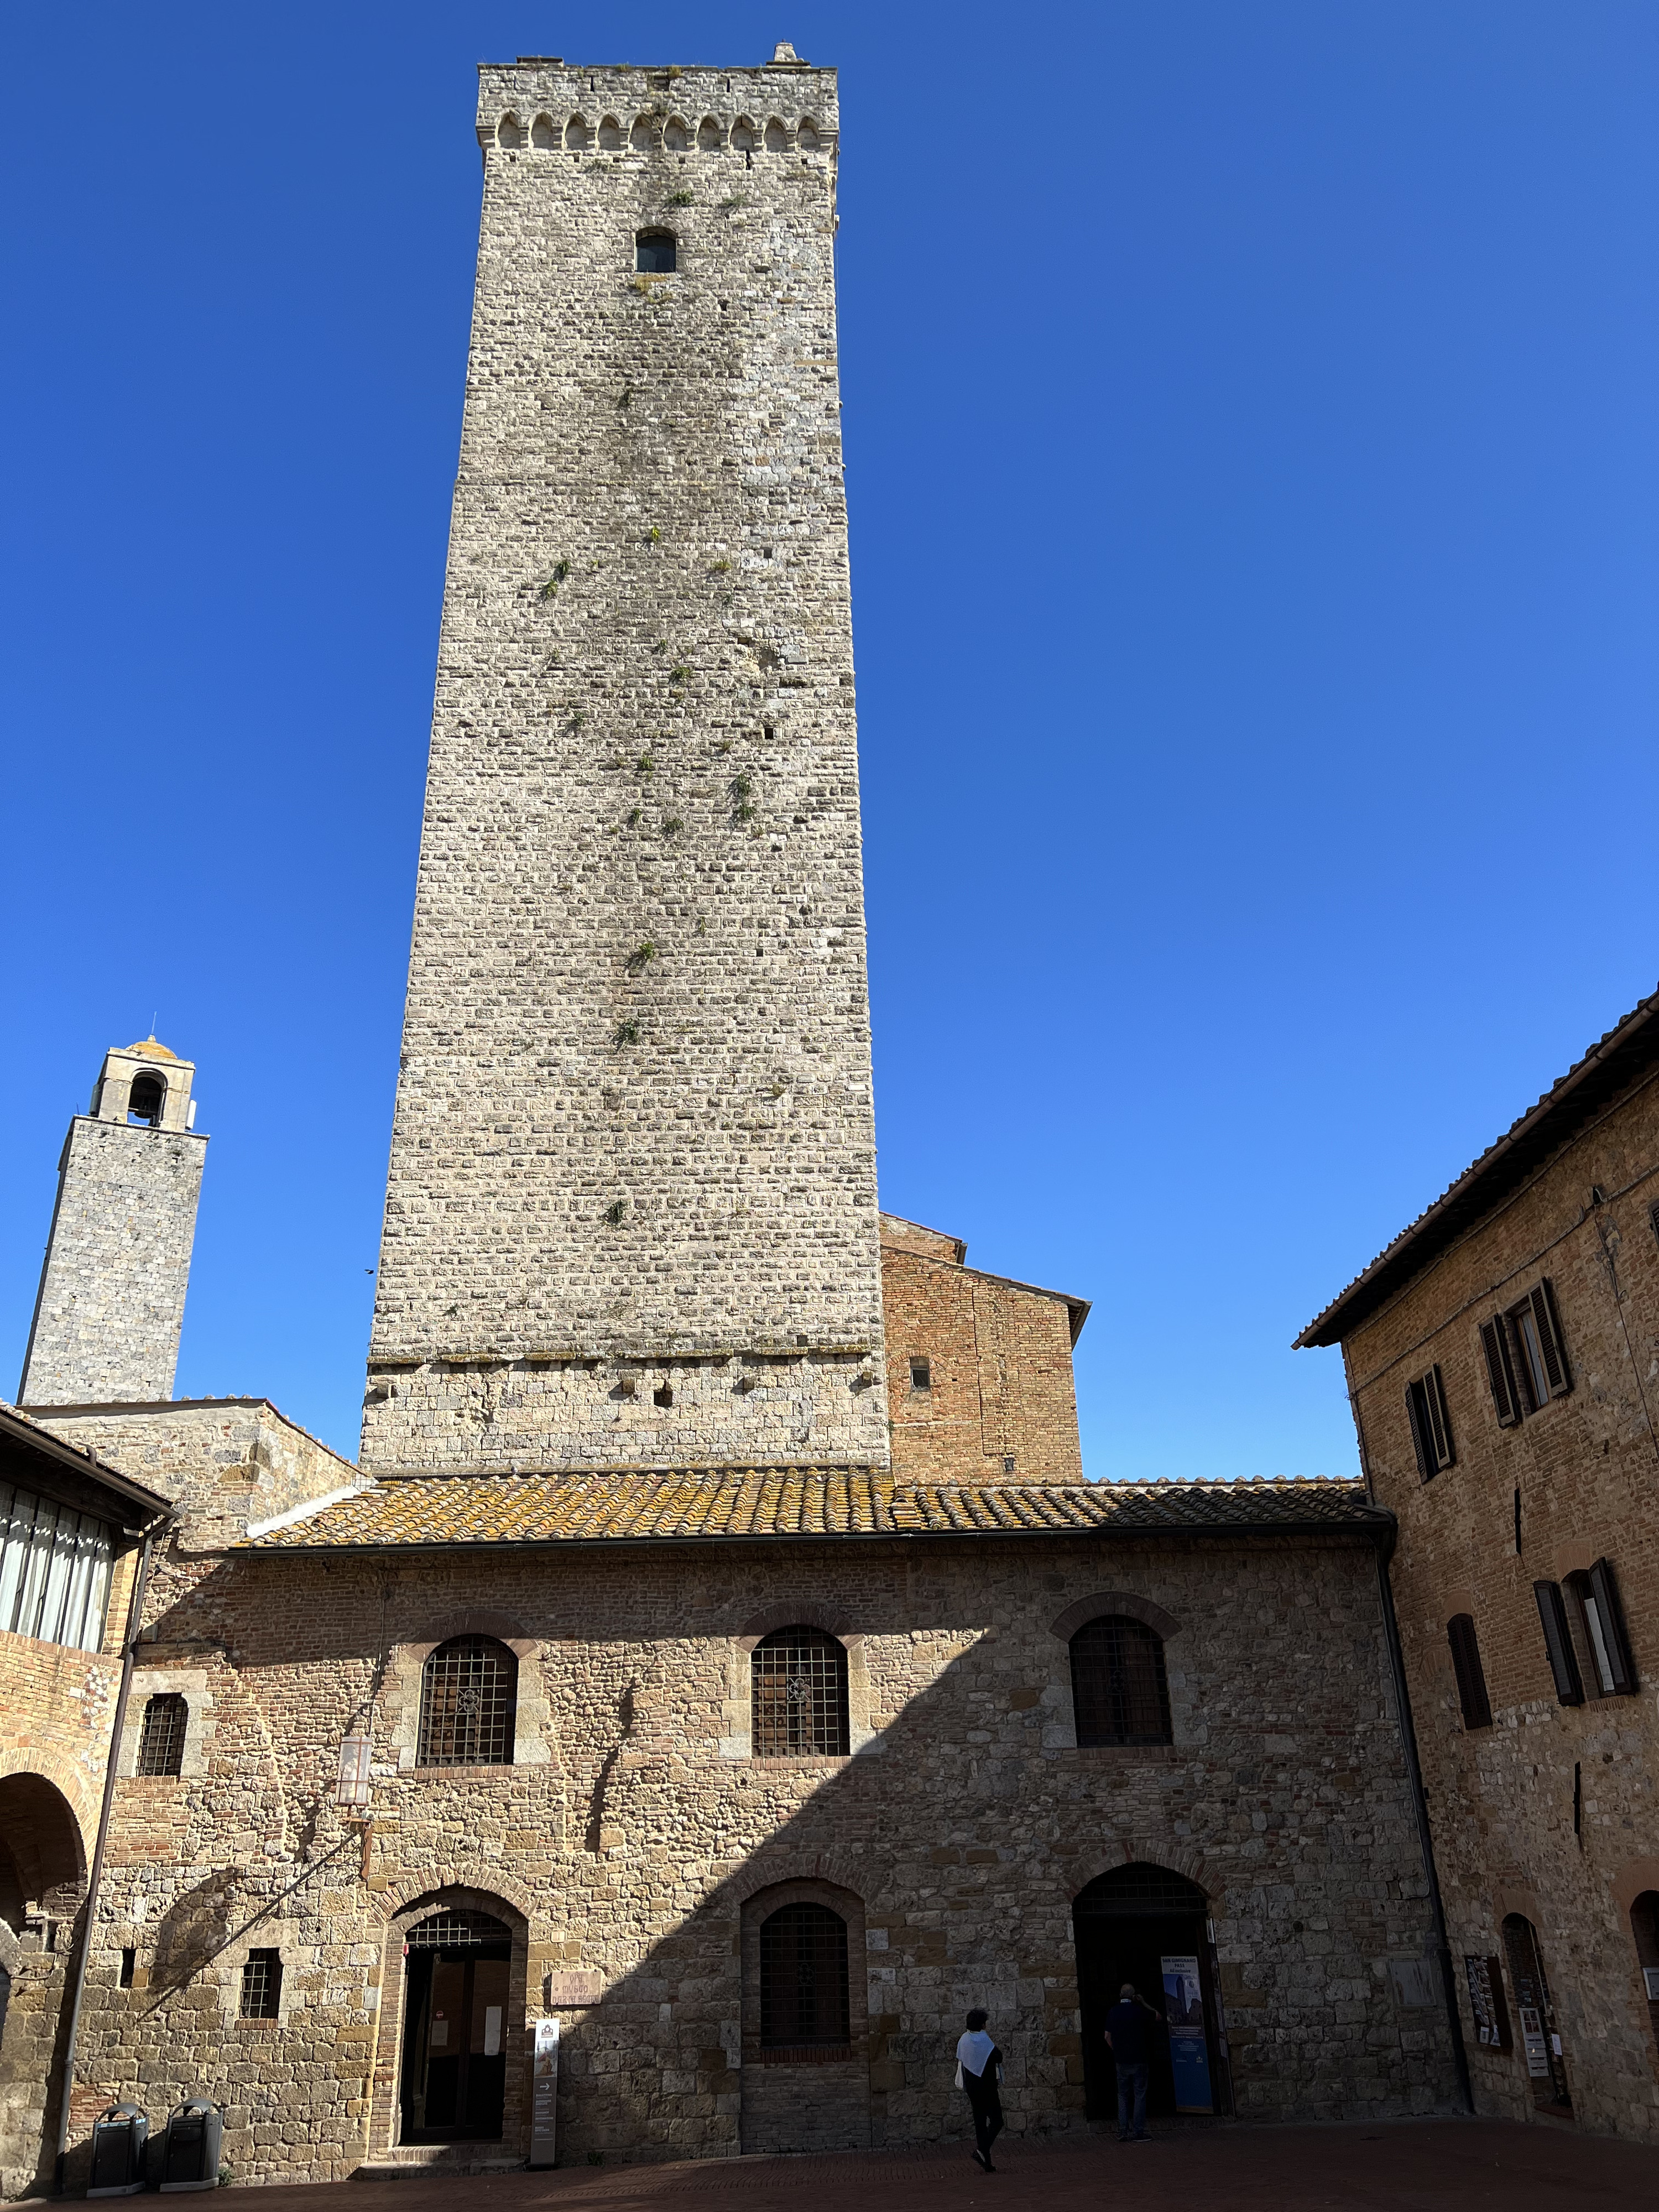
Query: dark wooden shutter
x=1440, y=1435
x=1604, y=1591
x=1549, y=1341
x=1558, y=1642
x=1495, y=1342
x=1416, y=1415
x=1471, y=1676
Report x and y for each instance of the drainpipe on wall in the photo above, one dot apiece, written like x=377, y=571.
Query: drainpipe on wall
x=1415, y=1772
x=83, y=1949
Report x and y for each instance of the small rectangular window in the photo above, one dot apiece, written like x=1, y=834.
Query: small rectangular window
x=129, y=1966
x=1471, y=1676
x=1431, y=1423
x=1558, y=1643
x=161, y=1742
x=922, y=1375
x=353, y=1786
x=262, y=1985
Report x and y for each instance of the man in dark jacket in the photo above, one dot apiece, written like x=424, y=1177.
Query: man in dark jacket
x=1128, y=2029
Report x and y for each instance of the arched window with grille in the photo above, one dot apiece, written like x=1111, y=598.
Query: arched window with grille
x=803, y=1979
x=469, y=1701
x=799, y=1680
x=1120, y=1693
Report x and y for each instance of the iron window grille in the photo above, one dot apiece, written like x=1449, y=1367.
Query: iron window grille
x=799, y=1679
x=469, y=1695
x=262, y=1985
x=161, y=1740
x=459, y=1931
x=1431, y=1423
x=1120, y=1691
x=1471, y=1676
x=803, y=1978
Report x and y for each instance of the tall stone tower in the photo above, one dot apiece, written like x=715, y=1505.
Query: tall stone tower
x=631, y=1211
x=111, y=1298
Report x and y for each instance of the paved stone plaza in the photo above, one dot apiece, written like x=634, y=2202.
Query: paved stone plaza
x=1415, y=2166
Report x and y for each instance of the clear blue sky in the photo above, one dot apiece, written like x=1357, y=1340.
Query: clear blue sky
x=1253, y=425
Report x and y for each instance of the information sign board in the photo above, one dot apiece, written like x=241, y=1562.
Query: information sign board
x=1189, y=2048
x=544, y=2093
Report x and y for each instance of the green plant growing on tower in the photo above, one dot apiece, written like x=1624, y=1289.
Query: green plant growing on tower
x=550, y=589
x=661, y=645
x=672, y=826
x=648, y=764
x=642, y=956
x=724, y=746
x=678, y=675
x=578, y=716
x=633, y=818
x=625, y=396
x=653, y=536
x=736, y=201
x=625, y=1033
x=720, y=568
x=678, y=199
x=617, y=1213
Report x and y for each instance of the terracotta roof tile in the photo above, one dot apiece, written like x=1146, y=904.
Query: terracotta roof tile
x=635, y=1504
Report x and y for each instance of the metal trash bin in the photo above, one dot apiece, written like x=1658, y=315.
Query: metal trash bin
x=190, y=2150
x=118, y=2137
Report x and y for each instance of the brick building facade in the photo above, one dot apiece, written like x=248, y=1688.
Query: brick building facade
x=1502, y=1357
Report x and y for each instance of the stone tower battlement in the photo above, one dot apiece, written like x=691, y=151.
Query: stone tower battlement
x=112, y=1300
x=631, y=1209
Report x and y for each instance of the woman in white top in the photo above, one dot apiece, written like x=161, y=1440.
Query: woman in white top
x=979, y=2070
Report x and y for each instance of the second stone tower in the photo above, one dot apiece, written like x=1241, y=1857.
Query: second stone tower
x=631, y=1211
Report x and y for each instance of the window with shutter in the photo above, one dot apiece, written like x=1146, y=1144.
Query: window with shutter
x=1431, y=1423
x=1558, y=1643
x=1605, y=1617
x=1471, y=1676
x=1495, y=1342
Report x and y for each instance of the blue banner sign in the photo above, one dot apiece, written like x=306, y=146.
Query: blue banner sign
x=1189, y=2048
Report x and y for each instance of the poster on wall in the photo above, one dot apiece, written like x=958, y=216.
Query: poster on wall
x=544, y=2093
x=1492, y=2019
x=1189, y=2048
x=1537, y=2050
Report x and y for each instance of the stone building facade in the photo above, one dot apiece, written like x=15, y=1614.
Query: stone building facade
x=71, y=1537
x=634, y=1126
x=1502, y=1356
x=112, y=1299
x=717, y=1651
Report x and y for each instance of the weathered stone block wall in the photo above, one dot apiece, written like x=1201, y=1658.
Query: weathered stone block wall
x=224, y=1463
x=629, y=1852
x=1000, y=1403
x=1581, y=1472
x=112, y=1299
x=634, y=1116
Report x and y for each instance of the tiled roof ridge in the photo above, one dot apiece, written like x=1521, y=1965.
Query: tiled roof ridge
x=1313, y=1333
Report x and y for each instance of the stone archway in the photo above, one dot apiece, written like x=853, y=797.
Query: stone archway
x=1147, y=1923
x=42, y=1865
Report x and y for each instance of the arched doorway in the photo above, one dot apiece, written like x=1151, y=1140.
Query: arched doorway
x=453, y=2079
x=1540, y=2041
x=1146, y=1925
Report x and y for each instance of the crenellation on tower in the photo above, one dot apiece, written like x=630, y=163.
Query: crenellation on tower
x=634, y=1113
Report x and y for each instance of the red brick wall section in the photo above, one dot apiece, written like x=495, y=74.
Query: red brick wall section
x=999, y=1359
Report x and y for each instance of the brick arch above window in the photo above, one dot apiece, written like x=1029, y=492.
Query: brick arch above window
x=1104, y=1603
x=803, y=1615
x=477, y=1620
x=821, y=1876
x=1633, y=1880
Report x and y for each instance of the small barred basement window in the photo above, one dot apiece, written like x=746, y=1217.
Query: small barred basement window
x=162, y=1743
x=262, y=1985
x=469, y=1700
x=798, y=1678
x=803, y=1978
x=654, y=252
x=1120, y=1693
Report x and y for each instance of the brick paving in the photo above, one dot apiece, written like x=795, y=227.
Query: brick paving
x=1419, y=2166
